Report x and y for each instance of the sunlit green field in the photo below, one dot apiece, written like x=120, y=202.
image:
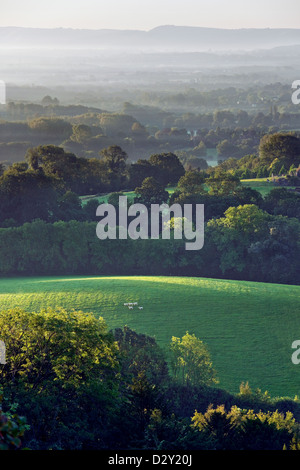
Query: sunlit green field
x=248, y=327
x=261, y=185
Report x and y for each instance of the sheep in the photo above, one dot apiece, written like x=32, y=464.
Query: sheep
x=140, y=308
x=130, y=308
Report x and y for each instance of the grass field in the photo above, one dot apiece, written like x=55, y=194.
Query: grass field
x=248, y=327
x=261, y=185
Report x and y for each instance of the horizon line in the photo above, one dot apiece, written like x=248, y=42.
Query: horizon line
x=151, y=29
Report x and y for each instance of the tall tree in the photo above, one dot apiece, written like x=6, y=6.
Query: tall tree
x=169, y=168
x=151, y=192
x=284, y=146
x=114, y=159
x=222, y=183
x=191, y=183
x=190, y=361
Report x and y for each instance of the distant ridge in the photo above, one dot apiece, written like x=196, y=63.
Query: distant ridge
x=162, y=37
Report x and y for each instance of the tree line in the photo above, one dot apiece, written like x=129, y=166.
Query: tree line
x=246, y=236
x=47, y=185
x=247, y=243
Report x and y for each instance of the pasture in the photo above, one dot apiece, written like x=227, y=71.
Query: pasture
x=248, y=327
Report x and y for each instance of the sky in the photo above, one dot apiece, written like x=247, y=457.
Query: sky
x=148, y=14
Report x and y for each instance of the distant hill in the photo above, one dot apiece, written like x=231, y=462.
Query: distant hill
x=162, y=37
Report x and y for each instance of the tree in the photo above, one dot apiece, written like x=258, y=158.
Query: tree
x=234, y=234
x=113, y=198
x=89, y=209
x=139, y=171
x=280, y=201
x=246, y=219
x=262, y=172
x=275, y=252
x=116, y=124
x=55, y=129
x=275, y=167
x=200, y=150
x=168, y=168
x=2, y=168
x=144, y=367
x=151, y=192
x=69, y=207
x=169, y=433
x=195, y=163
x=242, y=429
x=114, y=159
x=27, y=195
x=12, y=429
x=247, y=195
x=190, y=361
x=59, y=363
x=222, y=183
x=191, y=183
x=226, y=149
x=282, y=171
x=80, y=175
x=54, y=161
x=140, y=353
x=55, y=346
x=218, y=425
x=81, y=133
x=139, y=131
x=48, y=100
x=284, y=146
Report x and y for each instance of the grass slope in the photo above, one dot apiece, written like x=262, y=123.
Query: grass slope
x=248, y=327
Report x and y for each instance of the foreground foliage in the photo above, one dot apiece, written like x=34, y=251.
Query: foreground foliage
x=82, y=387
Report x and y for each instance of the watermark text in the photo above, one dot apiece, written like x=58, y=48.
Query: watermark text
x=158, y=222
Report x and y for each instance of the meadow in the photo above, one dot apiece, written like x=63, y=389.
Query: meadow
x=261, y=185
x=248, y=327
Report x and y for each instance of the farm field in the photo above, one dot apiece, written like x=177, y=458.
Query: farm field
x=248, y=327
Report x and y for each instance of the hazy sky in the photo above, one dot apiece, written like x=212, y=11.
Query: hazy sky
x=147, y=14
